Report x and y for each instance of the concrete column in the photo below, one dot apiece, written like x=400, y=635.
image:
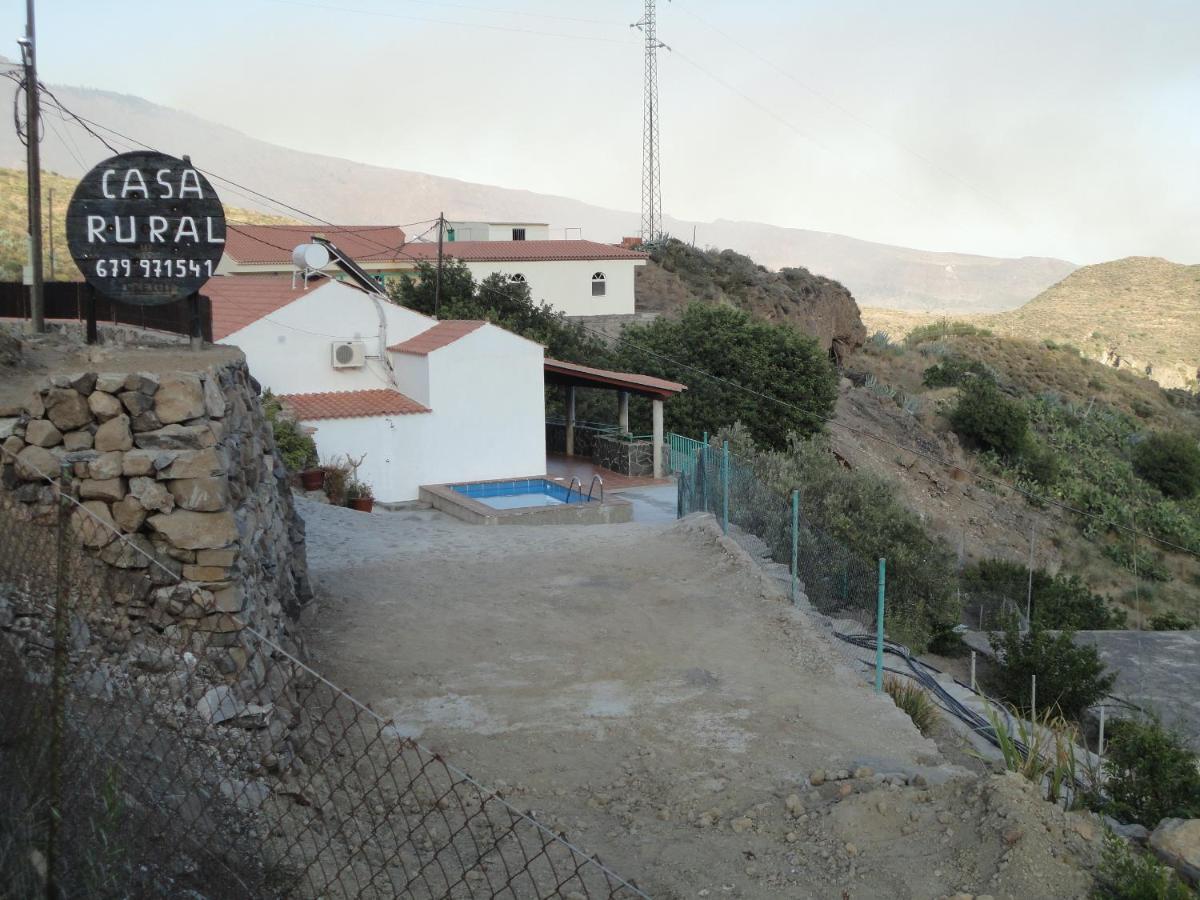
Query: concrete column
x=623, y=411
x=570, y=420
x=658, y=438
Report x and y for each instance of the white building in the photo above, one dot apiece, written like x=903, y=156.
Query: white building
x=427, y=402
x=576, y=277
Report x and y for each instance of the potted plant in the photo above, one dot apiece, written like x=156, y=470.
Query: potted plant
x=336, y=478
x=359, y=496
x=313, y=479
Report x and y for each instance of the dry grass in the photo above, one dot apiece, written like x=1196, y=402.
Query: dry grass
x=915, y=701
x=14, y=215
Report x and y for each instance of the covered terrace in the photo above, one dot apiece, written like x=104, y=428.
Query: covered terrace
x=572, y=376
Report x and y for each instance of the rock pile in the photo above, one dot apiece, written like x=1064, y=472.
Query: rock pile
x=181, y=492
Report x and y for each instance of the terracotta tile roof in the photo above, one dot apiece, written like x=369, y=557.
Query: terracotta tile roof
x=273, y=244
x=438, y=336
x=351, y=404
x=572, y=373
x=522, y=251
x=241, y=300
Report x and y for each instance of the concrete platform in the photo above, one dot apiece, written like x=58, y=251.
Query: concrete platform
x=612, y=509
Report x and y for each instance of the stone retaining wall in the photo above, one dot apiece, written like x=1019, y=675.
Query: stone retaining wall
x=182, y=465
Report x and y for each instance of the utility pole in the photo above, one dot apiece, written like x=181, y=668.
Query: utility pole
x=50, y=229
x=34, y=167
x=651, y=189
x=437, y=282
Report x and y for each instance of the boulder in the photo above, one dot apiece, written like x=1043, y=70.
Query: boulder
x=214, y=400
x=176, y=437
x=114, y=435
x=146, y=382
x=108, y=489
x=147, y=462
x=133, y=551
x=42, y=433
x=219, y=704
x=106, y=465
x=195, y=464
x=1177, y=843
x=151, y=495
x=94, y=524
x=201, y=494
x=110, y=383
x=36, y=407
x=179, y=397
x=36, y=464
x=104, y=406
x=196, y=530
x=135, y=402
x=78, y=440
x=67, y=409
x=8, y=426
x=84, y=382
x=146, y=421
x=12, y=446
x=129, y=514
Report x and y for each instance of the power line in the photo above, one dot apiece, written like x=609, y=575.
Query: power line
x=1029, y=495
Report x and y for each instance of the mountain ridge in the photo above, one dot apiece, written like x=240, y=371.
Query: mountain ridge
x=335, y=189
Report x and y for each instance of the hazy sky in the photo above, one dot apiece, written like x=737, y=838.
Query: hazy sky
x=1052, y=128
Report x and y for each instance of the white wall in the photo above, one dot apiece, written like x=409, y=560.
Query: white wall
x=290, y=351
x=485, y=390
x=567, y=284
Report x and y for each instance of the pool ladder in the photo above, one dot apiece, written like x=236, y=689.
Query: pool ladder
x=591, y=487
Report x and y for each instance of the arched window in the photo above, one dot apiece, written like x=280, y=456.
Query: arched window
x=517, y=277
x=598, y=284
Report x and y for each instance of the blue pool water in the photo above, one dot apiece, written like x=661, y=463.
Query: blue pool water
x=520, y=494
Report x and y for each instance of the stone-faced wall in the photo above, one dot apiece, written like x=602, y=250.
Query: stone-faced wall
x=183, y=465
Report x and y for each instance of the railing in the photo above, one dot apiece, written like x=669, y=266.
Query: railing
x=682, y=453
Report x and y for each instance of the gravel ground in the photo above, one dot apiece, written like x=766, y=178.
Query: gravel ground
x=644, y=688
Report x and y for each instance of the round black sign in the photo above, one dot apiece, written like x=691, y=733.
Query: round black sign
x=146, y=228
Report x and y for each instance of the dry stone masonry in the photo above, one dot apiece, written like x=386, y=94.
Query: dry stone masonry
x=182, y=466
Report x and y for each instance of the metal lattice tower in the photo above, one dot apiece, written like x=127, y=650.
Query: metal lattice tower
x=651, y=184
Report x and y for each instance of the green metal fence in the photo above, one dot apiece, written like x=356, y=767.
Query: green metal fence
x=823, y=574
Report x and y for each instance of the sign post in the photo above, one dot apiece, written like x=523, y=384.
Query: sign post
x=147, y=229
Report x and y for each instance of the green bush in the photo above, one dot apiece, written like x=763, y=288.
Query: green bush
x=937, y=331
x=953, y=371
x=1069, y=678
x=915, y=701
x=1171, y=621
x=1151, y=774
x=990, y=420
x=296, y=448
x=1171, y=462
x=773, y=378
x=1059, y=601
x=1126, y=874
x=849, y=519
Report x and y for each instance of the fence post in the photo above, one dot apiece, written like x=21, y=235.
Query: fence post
x=795, y=541
x=58, y=684
x=879, y=626
x=1100, y=742
x=973, y=687
x=725, y=488
x=704, y=465
x=1033, y=697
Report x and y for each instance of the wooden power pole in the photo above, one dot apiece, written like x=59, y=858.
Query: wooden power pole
x=34, y=166
x=437, y=282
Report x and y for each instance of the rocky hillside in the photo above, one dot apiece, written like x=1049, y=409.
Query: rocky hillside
x=679, y=274
x=1140, y=314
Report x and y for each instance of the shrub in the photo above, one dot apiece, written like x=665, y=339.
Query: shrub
x=1042, y=751
x=771, y=377
x=992, y=421
x=296, y=448
x=1171, y=462
x=953, y=371
x=1126, y=874
x=913, y=699
x=1059, y=601
x=337, y=481
x=1069, y=678
x=1171, y=621
x=936, y=331
x=1151, y=774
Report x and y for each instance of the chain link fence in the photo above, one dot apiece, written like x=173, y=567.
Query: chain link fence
x=153, y=745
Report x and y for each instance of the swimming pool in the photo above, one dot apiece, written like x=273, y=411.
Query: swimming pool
x=521, y=493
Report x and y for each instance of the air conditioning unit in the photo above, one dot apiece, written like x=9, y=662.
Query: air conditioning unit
x=349, y=354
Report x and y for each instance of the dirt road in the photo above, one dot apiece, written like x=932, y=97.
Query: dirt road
x=644, y=689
